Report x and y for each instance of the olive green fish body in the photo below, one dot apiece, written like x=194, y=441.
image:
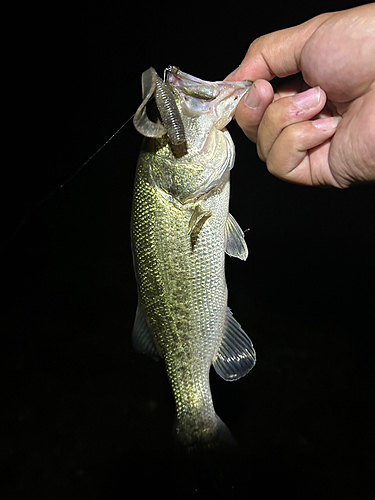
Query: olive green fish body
x=181, y=230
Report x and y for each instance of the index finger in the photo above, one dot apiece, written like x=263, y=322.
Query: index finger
x=278, y=53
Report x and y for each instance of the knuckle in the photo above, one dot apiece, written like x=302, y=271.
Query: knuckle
x=296, y=136
x=277, y=115
x=255, y=44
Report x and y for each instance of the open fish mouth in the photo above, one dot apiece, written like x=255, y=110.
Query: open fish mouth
x=183, y=101
x=198, y=97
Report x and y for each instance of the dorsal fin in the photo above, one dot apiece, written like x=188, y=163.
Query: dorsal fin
x=236, y=355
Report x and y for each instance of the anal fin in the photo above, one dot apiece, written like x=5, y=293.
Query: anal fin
x=236, y=355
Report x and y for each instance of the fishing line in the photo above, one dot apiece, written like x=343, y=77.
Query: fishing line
x=70, y=178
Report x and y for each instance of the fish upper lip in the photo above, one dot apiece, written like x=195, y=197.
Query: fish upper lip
x=177, y=78
x=203, y=96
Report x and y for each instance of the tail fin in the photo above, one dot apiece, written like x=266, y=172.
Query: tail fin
x=207, y=460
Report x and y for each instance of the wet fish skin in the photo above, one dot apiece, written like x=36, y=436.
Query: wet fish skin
x=181, y=229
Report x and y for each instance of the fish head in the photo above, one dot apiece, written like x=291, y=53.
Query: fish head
x=190, y=151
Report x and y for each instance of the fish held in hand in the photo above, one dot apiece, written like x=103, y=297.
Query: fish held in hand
x=181, y=230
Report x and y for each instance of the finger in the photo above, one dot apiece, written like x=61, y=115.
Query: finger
x=292, y=86
x=301, y=153
x=297, y=85
x=278, y=53
x=284, y=112
x=251, y=109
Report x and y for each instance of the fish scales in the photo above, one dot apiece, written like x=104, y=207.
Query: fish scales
x=179, y=243
x=184, y=291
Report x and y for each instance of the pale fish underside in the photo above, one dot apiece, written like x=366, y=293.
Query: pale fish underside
x=181, y=230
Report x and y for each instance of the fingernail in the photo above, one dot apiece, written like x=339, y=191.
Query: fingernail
x=308, y=99
x=252, y=98
x=327, y=123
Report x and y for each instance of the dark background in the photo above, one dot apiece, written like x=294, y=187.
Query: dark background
x=83, y=415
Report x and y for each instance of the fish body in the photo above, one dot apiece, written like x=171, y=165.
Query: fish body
x=181, y=230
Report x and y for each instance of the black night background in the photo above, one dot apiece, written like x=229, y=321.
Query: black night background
x=82, y=414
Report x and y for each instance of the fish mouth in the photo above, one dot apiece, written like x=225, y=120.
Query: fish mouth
x=199, y=97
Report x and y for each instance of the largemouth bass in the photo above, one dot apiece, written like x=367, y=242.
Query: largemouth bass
x=181, y=230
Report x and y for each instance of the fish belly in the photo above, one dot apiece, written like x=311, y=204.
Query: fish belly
x=182, y=292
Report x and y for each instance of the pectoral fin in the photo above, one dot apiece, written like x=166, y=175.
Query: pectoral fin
x=198, y=218
x=236, y=355
x=235, y=239
x=143, y=340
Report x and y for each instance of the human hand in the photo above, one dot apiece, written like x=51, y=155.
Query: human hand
x=324, y=135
